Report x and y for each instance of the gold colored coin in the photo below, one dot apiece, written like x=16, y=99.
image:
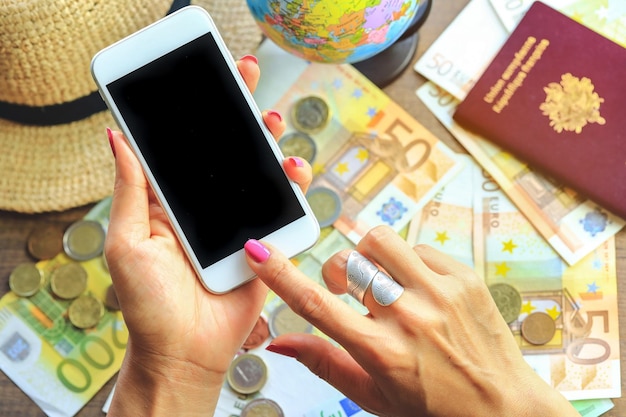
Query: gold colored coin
x=85, y=311
x=298, y=144
x=84, y=240
x=284, y=320
x=538, y=328
x=68, y=281
x=110, y=300
x=262, y=407
x=45, y=242
x=25, y=279
x=508, y=300
x=247, y=373
x=326, y=205
x=310, y=114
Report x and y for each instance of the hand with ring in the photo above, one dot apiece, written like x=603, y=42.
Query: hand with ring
x=433, y=342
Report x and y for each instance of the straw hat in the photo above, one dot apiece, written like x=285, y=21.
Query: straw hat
x=54, y=153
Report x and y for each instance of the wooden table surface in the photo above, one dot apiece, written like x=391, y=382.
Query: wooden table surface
x=15, y=227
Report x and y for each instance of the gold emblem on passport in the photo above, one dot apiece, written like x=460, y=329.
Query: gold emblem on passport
x=572, y=104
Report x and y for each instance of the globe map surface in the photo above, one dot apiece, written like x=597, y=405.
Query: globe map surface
x=334, y=31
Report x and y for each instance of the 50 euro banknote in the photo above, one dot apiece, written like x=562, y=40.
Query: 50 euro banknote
x=446, y=222
x=579, y=353
x=565, y=318
x=459, y=56
x=572, y=225
x=59, y=366
x=373, y=162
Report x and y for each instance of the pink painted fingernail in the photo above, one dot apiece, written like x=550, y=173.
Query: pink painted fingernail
x=275, y=114
x=256, y=251
x=251, y=58
x=295, y=161
x=111, y=144
x=282, y=350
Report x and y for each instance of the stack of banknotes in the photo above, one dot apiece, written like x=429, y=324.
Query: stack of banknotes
x=528, y=236
x=375, y=164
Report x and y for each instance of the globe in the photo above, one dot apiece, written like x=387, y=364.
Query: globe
x=338, y=31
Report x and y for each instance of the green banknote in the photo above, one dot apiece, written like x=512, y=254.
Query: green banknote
x=593, y=408
x=59, y=366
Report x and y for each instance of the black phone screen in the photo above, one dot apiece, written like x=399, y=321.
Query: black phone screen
x=204, y=147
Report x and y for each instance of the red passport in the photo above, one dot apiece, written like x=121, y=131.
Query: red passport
x=555, y=97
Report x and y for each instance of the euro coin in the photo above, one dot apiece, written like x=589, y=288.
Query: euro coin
x=68, y=281
x=45, y=242
x=284, y=320
x=310, y=114
x=538, y=328
x=508, y=300
x=298, y=144
x=85, y=311
x=326, y=205
x=247, y=373
x=258, y=335
x=262, y=407
x=84, y=240
x=110, y=300
x=25, y=279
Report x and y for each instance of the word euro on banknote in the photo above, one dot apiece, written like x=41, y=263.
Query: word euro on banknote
x=59, y=366
x=573, y=226
x=565, y=318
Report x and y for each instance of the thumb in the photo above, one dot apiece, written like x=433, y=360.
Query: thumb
x=129, y=215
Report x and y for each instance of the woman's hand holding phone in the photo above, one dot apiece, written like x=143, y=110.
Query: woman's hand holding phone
x=187, y=114
x=182, y=337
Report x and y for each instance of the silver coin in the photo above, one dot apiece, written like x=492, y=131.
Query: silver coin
x=310, y=114
x=284, y=320
x=298, y=144
x=247, y=373
x=84, y=240
x=262, y=407
x=326, y=205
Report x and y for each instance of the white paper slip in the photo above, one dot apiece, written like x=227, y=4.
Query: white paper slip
x=458, y=57
x=510, y=12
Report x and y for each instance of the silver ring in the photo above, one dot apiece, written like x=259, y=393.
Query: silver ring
x=385, y=290
x=360, y=272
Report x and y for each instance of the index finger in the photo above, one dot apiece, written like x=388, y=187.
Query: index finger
x=307, y=298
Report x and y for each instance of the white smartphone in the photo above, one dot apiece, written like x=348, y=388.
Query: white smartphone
x=175, y=91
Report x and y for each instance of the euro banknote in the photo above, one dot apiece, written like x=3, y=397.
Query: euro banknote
x=59, y=366
x=373, y=163
x=573, y=226
x=446, y=222
x=565, y=318
x=459, y=56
